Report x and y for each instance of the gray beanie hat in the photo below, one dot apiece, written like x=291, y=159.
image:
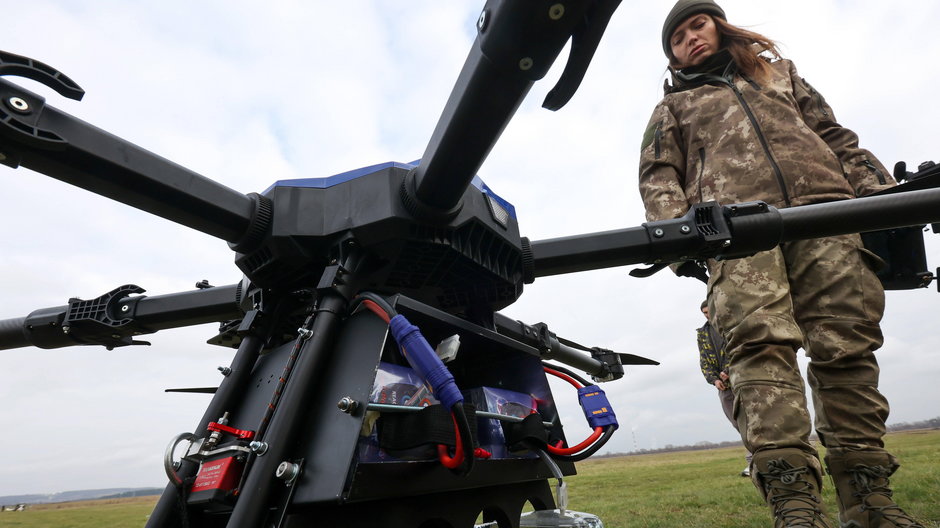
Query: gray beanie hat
x=683, y=10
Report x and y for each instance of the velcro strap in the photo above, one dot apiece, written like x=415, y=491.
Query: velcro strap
x=530, y=432
x=430, y=426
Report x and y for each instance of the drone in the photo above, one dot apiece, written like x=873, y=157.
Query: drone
x=374, y=380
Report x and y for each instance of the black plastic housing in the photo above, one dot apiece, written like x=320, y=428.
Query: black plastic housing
x=470, y=262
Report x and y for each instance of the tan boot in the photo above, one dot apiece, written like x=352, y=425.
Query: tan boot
x=789, y=480
x=861, y=481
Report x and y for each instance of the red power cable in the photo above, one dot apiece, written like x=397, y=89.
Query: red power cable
x=598, y=431
x=374, y=308
x=443, y=454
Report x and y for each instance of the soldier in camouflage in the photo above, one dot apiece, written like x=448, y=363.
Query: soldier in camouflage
x=713, y=360
x=739, y=124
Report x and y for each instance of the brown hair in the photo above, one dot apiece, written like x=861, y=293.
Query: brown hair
x=745, y=47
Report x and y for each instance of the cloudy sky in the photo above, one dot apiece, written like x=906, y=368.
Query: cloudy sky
x=247, y=94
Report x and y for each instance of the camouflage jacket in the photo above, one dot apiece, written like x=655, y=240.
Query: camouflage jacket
x=711, y=353
x=720, y=136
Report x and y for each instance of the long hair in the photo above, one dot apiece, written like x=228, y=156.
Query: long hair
x=746, y=46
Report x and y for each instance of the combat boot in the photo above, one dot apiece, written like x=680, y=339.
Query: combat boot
x=864, y=492
x=790, y=481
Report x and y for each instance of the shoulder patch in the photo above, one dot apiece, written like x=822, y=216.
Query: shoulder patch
x=648, y=135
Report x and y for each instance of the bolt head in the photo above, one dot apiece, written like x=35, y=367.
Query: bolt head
x=18, y=104
x=526, y=63
x=287, y=471
x=481, y=22
x=347, y=405
x=658, y=232
x=556, y=11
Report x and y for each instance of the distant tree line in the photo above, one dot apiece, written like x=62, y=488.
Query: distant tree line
x=932, y=423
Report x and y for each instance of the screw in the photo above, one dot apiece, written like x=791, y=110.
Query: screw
x=347, y=405
x=658, y=232
x=258, y=448
x=19, y=104
x=526, y=63
x=66, y=329
x=556, y=11
x=225, y=370
x=287, y=471
x=125, y=308
x=685, y=230
x=481, y=22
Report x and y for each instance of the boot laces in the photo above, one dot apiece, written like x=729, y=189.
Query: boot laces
x=792, y=500
x=872, y=481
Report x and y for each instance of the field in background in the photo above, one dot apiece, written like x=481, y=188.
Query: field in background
x=106, y=513
x=700, y=489
x=704, y=489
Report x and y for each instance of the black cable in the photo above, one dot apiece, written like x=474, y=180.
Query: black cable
x=377, y=299
x=567, y=371
x=463, y=427
x=609, y=432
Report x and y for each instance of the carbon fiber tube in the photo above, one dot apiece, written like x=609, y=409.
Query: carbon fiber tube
x=97, y=161
x=11, y=333
x=44, y=327
x=516, y=44
x=861, y=215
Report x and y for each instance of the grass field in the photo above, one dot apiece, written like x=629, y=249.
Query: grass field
x=704, y=489
x=700, y=489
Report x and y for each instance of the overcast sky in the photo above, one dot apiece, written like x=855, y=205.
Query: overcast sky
x=248, y=93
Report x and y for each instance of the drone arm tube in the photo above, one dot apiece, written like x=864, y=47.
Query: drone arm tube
x=606, y=249
x=871, y=213
x=539, y=337
x=59, y=145
x=55, y=328
x=517, y=43
x=704, y=229
x=713, y=231
x=12, y=334
x=210, y=305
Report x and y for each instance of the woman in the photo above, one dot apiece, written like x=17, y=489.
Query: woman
x=739, y=124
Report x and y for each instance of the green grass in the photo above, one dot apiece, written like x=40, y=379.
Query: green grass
x=116, y=513
x=699, y=489
x=703, y=488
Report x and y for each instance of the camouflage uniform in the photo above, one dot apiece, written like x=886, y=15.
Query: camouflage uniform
x=720, y=136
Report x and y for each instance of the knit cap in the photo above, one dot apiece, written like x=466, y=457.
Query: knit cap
x=683, y=10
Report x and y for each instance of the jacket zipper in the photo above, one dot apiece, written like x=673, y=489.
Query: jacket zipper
x=878, y=173
x=763, y=140
x=701, y=173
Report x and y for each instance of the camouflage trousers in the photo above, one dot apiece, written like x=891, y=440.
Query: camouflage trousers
x=820, y=295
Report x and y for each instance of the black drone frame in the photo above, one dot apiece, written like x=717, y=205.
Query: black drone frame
x=428, y=240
